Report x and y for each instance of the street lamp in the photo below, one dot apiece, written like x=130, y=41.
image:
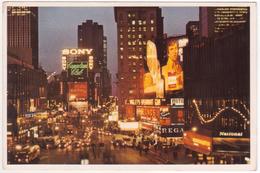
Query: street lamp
x=194, y=129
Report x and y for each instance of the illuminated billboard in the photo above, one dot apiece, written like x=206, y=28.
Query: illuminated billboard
x=172, y=71
x=173, y=130
x=77, y=71
x=77, y=91
x=153, y=82
x=148, y=113
x=128, y=126
x=76, y=51
x=169, y=77
x=197, y=142
x=130, y=112
x=77, y=62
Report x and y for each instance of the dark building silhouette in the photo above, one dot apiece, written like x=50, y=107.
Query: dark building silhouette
x=135, y=26
x=91, y=35
x=192, y=29
x=26, y=82
x=217, y=91
x=22, y=30
x=215, y=20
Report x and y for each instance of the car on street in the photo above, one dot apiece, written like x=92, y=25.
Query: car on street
x=118, y=143
x=64, y=144
x=76, y=144
x=26, y=153
x=128, y=141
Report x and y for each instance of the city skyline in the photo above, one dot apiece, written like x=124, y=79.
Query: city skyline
x=52, y=20
x=182, y=85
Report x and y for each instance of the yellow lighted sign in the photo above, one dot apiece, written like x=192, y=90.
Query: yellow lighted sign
x=77, y=51
x=200, y=141
x=90, y=62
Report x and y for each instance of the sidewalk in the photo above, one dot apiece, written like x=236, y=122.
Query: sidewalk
x=167, y=156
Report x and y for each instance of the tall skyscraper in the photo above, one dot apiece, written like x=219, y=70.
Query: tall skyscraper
x=23, y=33
x=135, y=26
x=91, y=35
x=214, y=20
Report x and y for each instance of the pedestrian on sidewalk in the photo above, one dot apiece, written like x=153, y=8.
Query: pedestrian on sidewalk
x=93, y=146
x=175, y=151
x=140, y=148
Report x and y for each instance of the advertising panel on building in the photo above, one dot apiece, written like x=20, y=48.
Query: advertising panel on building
x=128, y=126
x=172, y=130
x=77, y=71
x=148, y=113
x=130, y=112
x=78, y=91
x=197, y=142
x=172, y=71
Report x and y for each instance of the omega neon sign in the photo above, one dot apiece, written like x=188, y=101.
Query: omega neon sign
x=77, y=51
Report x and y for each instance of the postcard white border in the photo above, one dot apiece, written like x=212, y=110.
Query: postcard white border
x=122, y=167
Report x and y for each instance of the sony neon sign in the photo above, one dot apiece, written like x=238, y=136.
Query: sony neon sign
x=77, y=51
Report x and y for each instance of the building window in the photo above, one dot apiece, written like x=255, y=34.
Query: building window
x=139, y=35
x=121, y=48
x=140, y=43
x=144, y=42
x=134, y=70
x=133, y=43
x=144, y=28
x=152, y=21
x=144, y=22
x=129, y=43
x=129, y=14
x=131, y=91
x=122, y=78
x=152, y=28
x=134, y=77
x=139, y=22
x=133, y=22
x=121, y=43
x=121, y=29
x=134, y=63
x=140, y=29
x=133, y=29
x=129, y=36
x=121, y=36
x=133, y=36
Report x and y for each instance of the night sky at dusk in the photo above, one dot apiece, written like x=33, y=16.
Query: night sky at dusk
x=58, y=30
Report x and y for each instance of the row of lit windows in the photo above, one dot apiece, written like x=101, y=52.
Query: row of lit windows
x=135, y=43
x=230, y=21
x=133, y=57
x=129, y=36
x=140, y=22
x=228, y=15
x=140, y=29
